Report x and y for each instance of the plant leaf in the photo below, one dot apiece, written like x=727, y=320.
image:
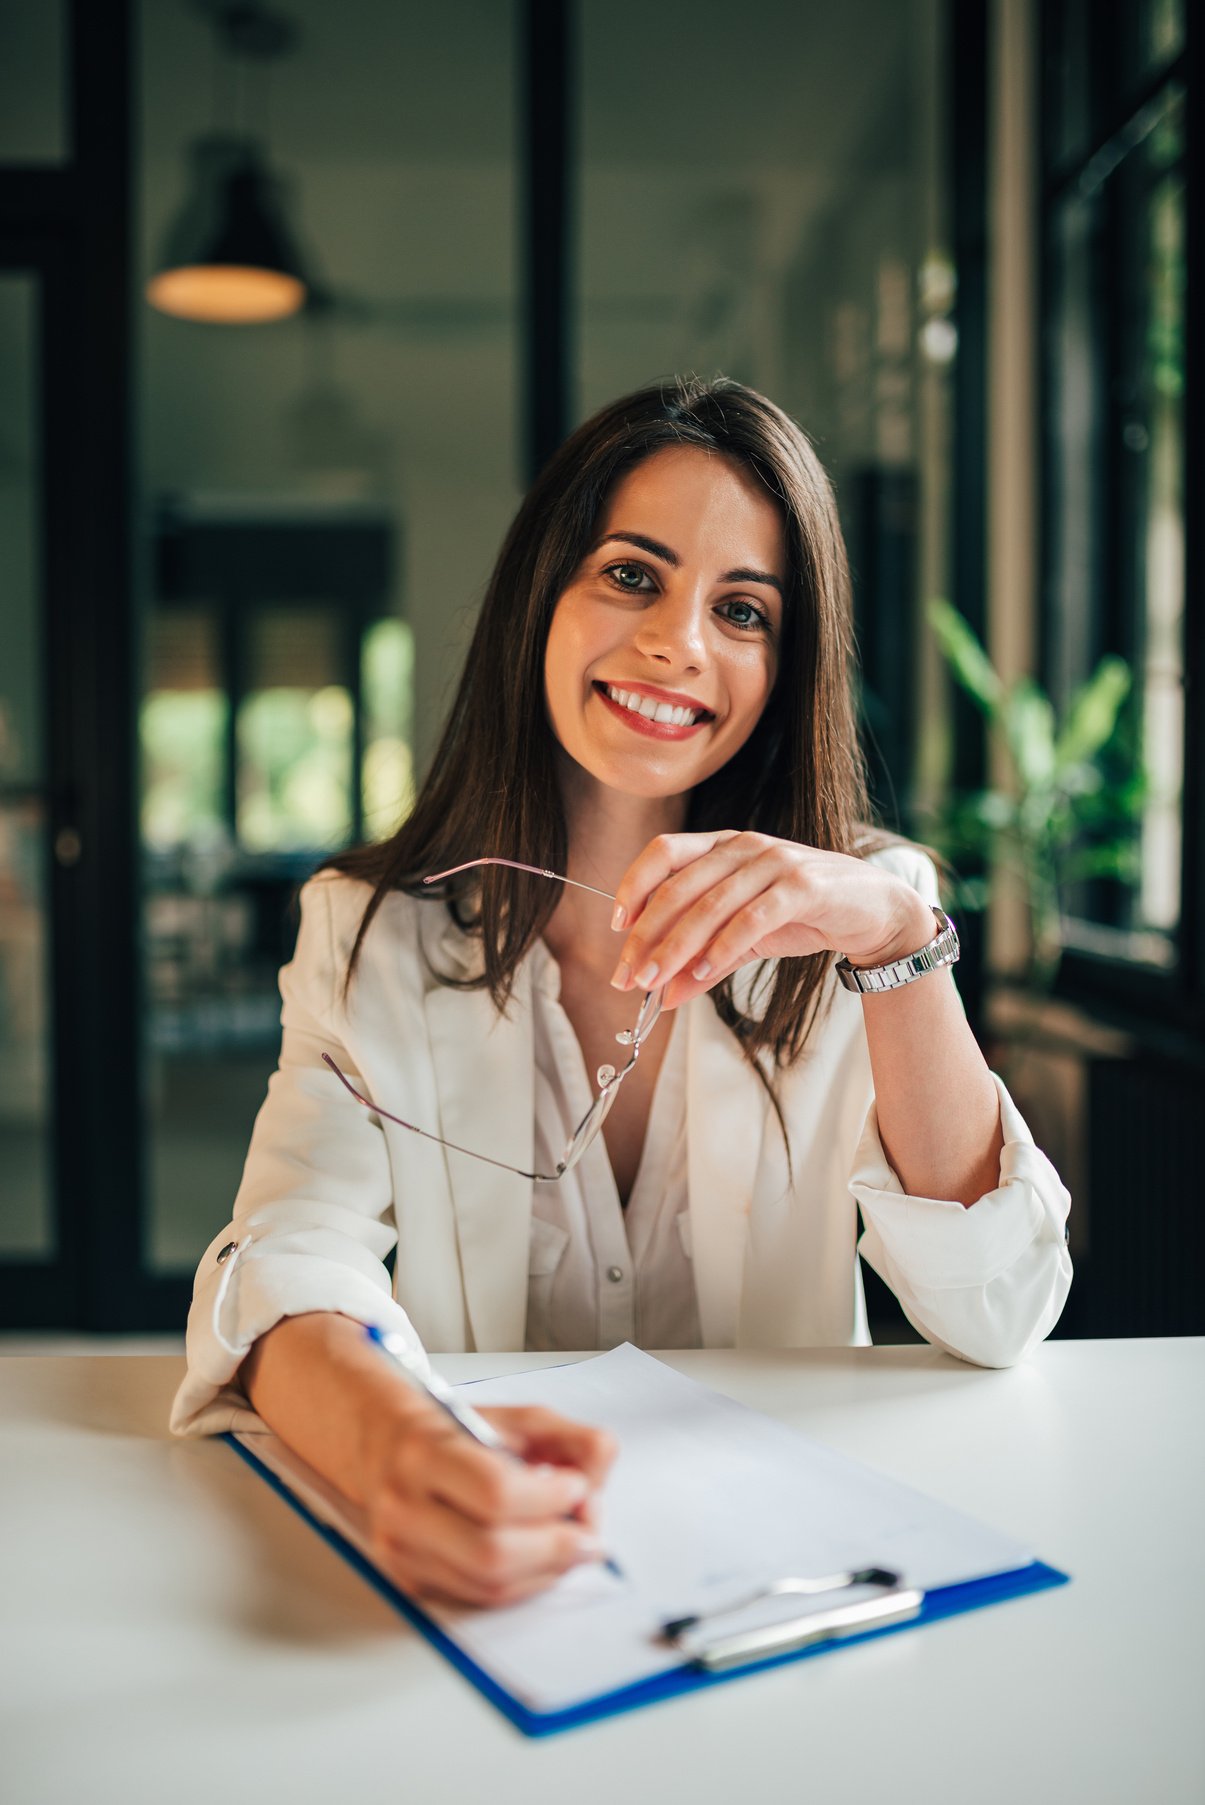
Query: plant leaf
x=1093, y=714
x=1029, y=728
x=966, y=657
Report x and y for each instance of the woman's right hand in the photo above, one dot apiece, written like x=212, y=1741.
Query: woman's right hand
x=448, y=1519
x=455, y=1522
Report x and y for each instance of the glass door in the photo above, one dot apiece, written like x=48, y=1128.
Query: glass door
x=320, y=499
x=28, y=1237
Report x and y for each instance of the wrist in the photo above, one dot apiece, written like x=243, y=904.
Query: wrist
x=384, y=1420
x=913, y=928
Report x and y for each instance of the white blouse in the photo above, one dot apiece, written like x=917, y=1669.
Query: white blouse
x=601, y=1275
x=725, y=1242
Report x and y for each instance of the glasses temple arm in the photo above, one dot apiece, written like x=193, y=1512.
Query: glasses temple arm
x=539, y=1177
x=514, y=864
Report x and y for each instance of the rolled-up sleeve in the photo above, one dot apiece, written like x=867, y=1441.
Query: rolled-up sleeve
x=313, y=1219
x=985, y=1283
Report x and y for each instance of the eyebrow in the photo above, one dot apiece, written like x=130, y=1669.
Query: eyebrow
x=671, y=558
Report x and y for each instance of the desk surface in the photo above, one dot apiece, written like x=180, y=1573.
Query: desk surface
x=171, y=1630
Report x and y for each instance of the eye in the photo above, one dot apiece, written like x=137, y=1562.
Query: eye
x=743, y=614
x=631, y=588
x=739, y=610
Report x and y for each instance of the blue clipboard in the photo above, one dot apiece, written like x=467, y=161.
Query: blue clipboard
x=947, y=1601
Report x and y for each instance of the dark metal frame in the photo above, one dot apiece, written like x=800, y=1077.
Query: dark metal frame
x=74, y=226
x=342, y=566
x=967, y=86
x=34, y=1289
x=966, y=146
x=71, y=227
x=1164, y=1009
x=548, y=176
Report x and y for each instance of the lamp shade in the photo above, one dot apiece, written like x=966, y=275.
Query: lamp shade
x=229, y=256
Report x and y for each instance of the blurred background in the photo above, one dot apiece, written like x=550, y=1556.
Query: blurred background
x=295, y=300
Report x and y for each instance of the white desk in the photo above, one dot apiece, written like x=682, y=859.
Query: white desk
x=172, y=1632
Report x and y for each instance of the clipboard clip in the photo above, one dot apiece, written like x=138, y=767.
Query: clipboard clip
x=694, y=1637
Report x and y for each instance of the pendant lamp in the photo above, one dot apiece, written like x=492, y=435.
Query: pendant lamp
x=229, y=257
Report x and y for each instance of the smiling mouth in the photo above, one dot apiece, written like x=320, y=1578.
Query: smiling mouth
x=662, y=714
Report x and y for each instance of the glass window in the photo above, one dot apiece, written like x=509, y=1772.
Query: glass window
x=33, y=83
x=771, y=202
x=1098, y=62
x=325, y=494
x=183, y=731
x=26, y=1172
x=1157, y=33
x=1159, y=545
x=294, y=735
x=1115, y=528
x=387, y=686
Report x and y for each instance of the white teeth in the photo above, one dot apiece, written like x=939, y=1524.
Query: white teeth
x=653, y=711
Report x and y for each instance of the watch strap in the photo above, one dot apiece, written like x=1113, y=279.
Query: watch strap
x=942, y=950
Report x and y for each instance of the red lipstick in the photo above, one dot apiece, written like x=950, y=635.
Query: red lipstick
x=639, y=723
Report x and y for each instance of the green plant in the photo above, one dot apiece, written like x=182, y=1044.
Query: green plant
x=1076, y=793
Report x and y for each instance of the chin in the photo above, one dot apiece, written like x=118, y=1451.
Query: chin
x=644, y=779
x=648, y=789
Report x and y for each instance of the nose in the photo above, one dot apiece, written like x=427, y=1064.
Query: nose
x=671, y=632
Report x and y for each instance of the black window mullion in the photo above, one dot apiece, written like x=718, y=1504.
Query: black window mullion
x=547, y=107
x=353, y=624
x=1160, y=1004
x=1192, y=936
x=40, y=1291
x=108, y=1194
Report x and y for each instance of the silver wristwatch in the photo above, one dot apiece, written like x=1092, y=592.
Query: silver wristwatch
x=941, y=950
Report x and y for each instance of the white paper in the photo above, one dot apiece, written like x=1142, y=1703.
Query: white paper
x=707, y=1501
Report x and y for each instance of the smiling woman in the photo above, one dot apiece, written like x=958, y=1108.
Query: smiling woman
x=655, y=711
x=744, y=564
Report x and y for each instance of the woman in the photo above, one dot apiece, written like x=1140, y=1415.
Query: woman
x=656, y=707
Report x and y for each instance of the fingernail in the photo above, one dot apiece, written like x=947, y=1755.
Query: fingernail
x=646, y=977
x=579, y=1487
x=589, y=1548
x=622, y=974
x=619, y=919
x=702, y=969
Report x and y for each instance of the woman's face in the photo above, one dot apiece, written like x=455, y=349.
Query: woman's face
x=676, y=606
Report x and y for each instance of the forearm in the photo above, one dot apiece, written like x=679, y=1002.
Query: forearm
x=938, y=1110
x=318, y=1383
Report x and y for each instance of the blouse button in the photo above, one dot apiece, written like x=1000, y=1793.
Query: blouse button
x=226, y=1251
x=615, y=1273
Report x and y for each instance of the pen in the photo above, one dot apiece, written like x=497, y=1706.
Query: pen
x=439, y=1391
x=449, y=1399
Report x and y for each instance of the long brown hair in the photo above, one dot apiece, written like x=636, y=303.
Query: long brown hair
x=492, y=787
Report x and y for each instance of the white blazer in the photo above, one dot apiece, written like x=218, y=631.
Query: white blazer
x=330, y=1189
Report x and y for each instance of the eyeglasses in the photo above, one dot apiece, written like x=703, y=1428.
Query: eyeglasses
x=609, y=1079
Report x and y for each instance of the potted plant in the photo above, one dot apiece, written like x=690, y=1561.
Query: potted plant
x=1068, y=813
x=1072, y=805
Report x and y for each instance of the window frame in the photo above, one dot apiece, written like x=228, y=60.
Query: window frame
x=75, y=224
x=1165, y=1006
x=237, y=570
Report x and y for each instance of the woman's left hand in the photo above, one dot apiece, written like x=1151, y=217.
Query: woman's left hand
x=699, y=906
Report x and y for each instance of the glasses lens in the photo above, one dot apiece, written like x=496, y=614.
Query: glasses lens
x=589, y=1125
x=650, y=1015
x=646, y=1021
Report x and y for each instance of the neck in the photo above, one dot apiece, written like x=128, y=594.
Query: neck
x=607, y=831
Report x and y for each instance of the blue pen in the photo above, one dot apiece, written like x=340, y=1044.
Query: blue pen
x=449, y=1399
